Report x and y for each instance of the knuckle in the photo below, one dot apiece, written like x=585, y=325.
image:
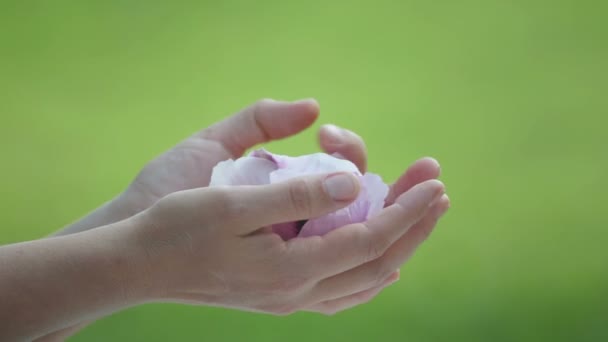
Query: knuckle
x=374, y=251
x=381, y=271
x=377, y=246
x=232, y=207
x=223, y=203
x=300, y=198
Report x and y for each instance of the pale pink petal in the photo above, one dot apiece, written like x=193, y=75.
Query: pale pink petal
x=375, y=192
x=278, y=159
x=243, y=171
x=309, y=165
x=263, y=167
x=327, y=223
x=369, y=202
x=286, y=230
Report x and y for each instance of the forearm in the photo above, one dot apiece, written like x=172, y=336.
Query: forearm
x=120, y=208
x=50, y=284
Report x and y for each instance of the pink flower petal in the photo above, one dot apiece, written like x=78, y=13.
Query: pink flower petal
x=369, y=202
x=309, y=165
x=375, y=193
x=263, y=167
x=243, y=171
x=286, y=230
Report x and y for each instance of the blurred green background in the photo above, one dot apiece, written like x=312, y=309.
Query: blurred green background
x=510, y=96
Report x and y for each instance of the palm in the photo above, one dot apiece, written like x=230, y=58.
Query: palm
x=186, y=166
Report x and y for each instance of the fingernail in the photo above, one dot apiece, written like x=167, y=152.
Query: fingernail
x=437, y=197
x=308, y=99
x=433, y=161
x=440, y=207
x=335, y=134
x=341, y=186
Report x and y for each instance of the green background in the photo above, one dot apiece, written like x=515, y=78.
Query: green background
x=510, y=96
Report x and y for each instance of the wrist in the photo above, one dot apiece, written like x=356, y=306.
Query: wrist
x=121, y=254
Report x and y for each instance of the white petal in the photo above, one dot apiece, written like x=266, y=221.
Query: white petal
x=309, y=165
x=243, y=171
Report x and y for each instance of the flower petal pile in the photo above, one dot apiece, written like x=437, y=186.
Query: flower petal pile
x=262, y=167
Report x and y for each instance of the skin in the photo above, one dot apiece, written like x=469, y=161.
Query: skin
x=170, y=238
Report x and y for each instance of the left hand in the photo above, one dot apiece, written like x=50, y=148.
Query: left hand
x=189, y=164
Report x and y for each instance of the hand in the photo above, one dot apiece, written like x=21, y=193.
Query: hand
x=332, y=139
x=422, y=170
x=208, y=246
x=189, y=164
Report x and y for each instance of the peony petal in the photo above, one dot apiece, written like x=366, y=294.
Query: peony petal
x=264, y=154
x=369, y=202
x=325, y=224
x=243, y=171
x=286, y=231
x=375, y=192
x=278, y=159
x=309, y=165
x=263, y=167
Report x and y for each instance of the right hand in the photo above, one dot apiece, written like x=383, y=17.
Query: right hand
x=209, y=246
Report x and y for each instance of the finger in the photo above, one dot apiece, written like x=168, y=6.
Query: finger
x=347, y=144
x=372, y=273
x=331, y=307
x=422, y=170
x=352, y=245
x=292, y=200
x=261, y=122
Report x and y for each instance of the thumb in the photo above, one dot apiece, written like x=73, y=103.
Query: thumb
x=295, y=199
